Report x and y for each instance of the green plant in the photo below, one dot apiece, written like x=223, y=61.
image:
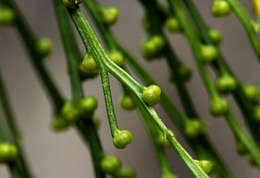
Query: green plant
x=79, y=111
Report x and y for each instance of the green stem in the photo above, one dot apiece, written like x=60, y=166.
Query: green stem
x=84, y=126
x=30, y=40
x=194, y=43
x=14, y=130
x=221, y=66
x=92, y=45
x=248, y=24
x=200, y=143
x=108, y=101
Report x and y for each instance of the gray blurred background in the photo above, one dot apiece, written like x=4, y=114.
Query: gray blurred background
x=63, y=155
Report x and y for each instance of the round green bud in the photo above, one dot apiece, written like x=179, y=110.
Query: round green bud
x=220, y=8
x=122, y=138
x=168, y=175
x=59, y=124
x=8, y=152
x=193, y=128
x=206, y=165
x=44, y=47
x=256, y=113
x=208, y=53
x=7, y=16
x=252, y=92
x=151, y=95
x=219, y=106
x=125, y=173
x=88, y=68
x=172, y=25
x=215, y=36
x=241, y=148
x=71, y=3
x=87, y=106
x=127, y=103
x=69, y=112
x=152, y=47
x=110, y=15
x=117, y=57
x=110, y=164
x=226, y=83
x=163, y=141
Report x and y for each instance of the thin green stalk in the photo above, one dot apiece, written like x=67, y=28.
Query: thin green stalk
x=221, y=66
x=85, y=126
x=195, y=44
x=248, y=23
x=159, y=150
x=30, y=40
x=93, y=45
x=198, y=144
x=108, y=101
x=14, y=130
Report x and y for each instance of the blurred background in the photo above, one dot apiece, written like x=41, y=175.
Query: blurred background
x=63, y=155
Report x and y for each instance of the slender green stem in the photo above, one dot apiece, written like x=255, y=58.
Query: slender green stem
x=159, y=150
x=198, y=144
x=93, y=45
x=30, y=40
x=194, y=43
x=108, y=101
x=85, y=126
x=221, y=66
x=244, y=138
x=248, y=24
x=14, y=130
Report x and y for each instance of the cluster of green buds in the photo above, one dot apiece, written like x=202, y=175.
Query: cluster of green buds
x=112, y=165
x=7, y=16
x=220, y=8
x=172, y=25
x=8, y=152
x=110, y=15
x=121, y=138
x=153, y=47
x=151, y=95
x=208, y=53
x=88, y=68
x=70, y=112
x=44, y=47
x=71, y=3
